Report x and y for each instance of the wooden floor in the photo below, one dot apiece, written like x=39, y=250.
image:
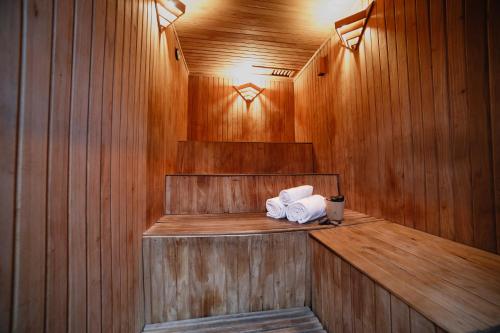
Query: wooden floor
x=238, y=224
x=296, y=320
x=455, y=286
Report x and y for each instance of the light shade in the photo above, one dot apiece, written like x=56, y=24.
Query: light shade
x=351, y=28
x=168, y=11
x=248, y=91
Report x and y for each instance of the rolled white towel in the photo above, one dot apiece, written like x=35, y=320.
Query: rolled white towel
x=295, y=193
x=275, y=208
x=306, y=209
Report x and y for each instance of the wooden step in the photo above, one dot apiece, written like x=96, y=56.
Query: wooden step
x=201, y=157
x=215, y=194
x=296, y=320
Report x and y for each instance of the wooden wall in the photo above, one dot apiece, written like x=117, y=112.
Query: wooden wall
x=218, y=113
x=202, y=157
x=346, y=300
x=218, y=194
x=167, y=121
x=192, y=277
x=411, y=120
x=74, y=111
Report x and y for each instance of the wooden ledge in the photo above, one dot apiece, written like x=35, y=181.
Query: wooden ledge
x=236, y=224
x=455, y=286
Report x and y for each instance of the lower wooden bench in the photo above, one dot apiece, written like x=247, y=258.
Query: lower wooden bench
x=383, y=277
x=206, y=265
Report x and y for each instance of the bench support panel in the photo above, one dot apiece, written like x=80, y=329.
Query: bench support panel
x=345, y=299
x=193, y=277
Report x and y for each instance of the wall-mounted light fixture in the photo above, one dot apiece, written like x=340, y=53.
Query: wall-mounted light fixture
x=168, y=11
x=248, y=91
x=323, y=66
x=351, y=28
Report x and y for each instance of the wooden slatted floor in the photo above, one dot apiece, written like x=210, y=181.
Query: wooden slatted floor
x=238, y=224
x=295, y=320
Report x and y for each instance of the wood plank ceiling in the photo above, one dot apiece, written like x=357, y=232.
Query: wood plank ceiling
x=226, y=37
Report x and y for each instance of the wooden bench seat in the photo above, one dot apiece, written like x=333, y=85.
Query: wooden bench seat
x=215, y=264
x=412, y=278
x=237, y=224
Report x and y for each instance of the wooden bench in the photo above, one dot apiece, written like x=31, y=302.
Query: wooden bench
x=384, y=277
x=207, y=265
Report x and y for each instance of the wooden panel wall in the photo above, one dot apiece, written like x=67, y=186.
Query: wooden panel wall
x=73, y=119
x=244, y=157
x=346, y=300
x=191, y=277
x=214, y=194
x=218, y=113
x=411, y=119
x=167, y=121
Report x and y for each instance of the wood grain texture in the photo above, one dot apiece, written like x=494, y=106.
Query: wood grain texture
x=494, y=77
x=218, y=113
x=10, y=64
x=202, y=290
x=449, y=280
x=409, y=119
x=220, y=37
x=200, y=157
x=76, y=91
x=367, y=306
x=297, y=320
x=215, y=194
x=167, y=119
x=237, y=224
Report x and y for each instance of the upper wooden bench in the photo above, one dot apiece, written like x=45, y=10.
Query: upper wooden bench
x=456, y=287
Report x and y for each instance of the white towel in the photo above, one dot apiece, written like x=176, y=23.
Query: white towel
x=306, y=209
x=275, y=208
x=295, y=193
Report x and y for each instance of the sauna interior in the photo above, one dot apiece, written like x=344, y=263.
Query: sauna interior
x=145, y=142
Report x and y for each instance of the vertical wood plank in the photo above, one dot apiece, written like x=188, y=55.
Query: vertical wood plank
x=93, y=208
x=420, y=324
x=459, y=122
x=10, y=64
x=400, y=315
x=57, y=209
x=168, y=256
x=494, y=67
x=428, y=118
x=347, y=313
x=480, y=135
x=243, y=255
x=183, y=269
x=31, y=189
x=382, y=310
x=441, y=111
